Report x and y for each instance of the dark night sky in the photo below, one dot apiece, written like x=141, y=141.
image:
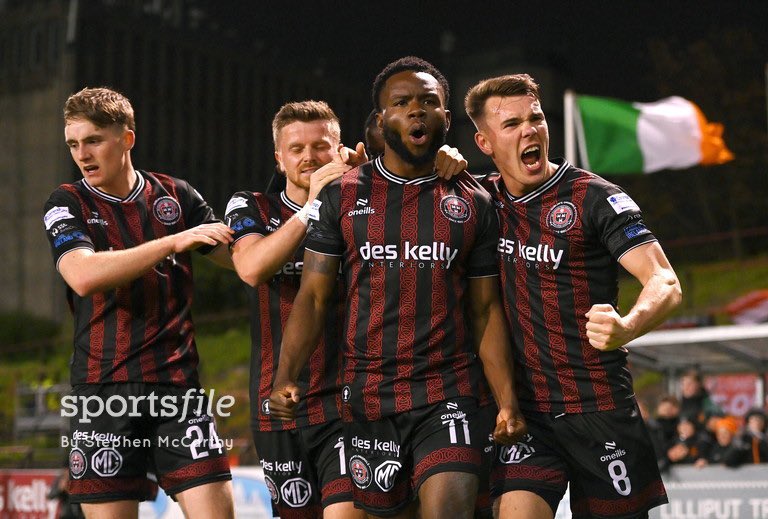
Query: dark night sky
x=598, y=47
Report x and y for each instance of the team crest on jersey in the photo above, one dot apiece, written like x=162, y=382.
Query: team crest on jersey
x=346, y=393
x=562, y=217
x=360, y=471
x=167, y=210
x=77, y=463
x=455, y=208
x=265, y=406
x=273, y=493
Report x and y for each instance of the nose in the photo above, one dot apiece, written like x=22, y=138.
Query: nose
x=81, y=153
x=309, y=156
x=529, y=130
x=416, y=109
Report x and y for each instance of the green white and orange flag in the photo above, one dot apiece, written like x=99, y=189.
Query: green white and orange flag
x=618, y=137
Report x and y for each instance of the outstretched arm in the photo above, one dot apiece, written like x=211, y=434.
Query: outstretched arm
x=88, y=272
x=495, y=351
x=661, y=294
x=302, y=331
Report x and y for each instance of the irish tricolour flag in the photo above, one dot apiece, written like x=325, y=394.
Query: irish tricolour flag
x=616, y=137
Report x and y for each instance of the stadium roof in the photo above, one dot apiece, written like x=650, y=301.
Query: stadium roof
x=713, y=349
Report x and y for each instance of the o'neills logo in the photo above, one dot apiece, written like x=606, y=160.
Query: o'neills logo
x=436, y=251
x=167, y=210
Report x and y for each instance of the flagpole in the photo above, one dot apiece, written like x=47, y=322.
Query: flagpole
x=570, y=142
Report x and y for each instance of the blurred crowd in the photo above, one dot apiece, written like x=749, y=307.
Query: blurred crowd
x=693, y=430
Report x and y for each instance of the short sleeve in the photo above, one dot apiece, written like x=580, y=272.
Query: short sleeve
x=64, y=225
x=619, y=221
x=324, y=233
x=197, y=209
x=244, y=216
x=482, y=260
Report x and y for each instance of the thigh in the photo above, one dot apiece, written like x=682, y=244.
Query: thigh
x=532, y=467
x=288, y=473
x=109, y=445
x=188, y=451
x=379, y=464
x=613, y=471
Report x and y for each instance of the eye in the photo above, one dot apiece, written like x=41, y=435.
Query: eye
x=399, y=102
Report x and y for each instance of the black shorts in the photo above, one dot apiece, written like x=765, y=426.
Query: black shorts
x=606, y=456
x=390, y=458
x=304, y=468
x=112, y=451
x=487, y=419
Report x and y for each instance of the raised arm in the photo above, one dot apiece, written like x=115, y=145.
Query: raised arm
x=257, y=257
x=88, y=272
x=661, y=294
x=495, y=351
x=302, y=331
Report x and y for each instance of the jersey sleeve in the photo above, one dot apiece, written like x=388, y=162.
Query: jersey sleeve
x=197, y=210
x=64, y=225
x=482, y=260
x=324, y=233
x=619, y=221
x=244, y=216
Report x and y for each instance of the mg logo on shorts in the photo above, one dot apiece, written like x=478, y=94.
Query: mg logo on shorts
x=360, y=471
x=272, y=489
x=386, y=473
x=296, y=492
x=106, y=462
x=510, y=454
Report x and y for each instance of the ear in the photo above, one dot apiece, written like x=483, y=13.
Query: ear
x=279, y=160
x=447, y=119
x=129, y=139
x=483, y=144
x=379, y=121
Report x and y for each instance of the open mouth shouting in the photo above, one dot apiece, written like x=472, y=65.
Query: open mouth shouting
x=531, y=157
x=418, y=134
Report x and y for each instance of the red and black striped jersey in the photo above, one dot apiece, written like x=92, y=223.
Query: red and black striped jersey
x=141, y=331
x=271, y=302
x=559, y=248
x=408, y=247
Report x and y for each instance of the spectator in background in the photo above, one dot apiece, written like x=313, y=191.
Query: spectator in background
x=751, y=446
x=724, y=430
x=663, y=428
x=695, y=400
x=691, y=443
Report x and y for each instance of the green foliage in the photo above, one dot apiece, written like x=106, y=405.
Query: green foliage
x=224, y=367
x=708, y=287
x=20, y=327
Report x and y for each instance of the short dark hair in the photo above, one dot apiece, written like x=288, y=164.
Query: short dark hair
x=102, y=106
x=502, y=86
x=305, y=111
x=408, y=63
x=370, y=120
